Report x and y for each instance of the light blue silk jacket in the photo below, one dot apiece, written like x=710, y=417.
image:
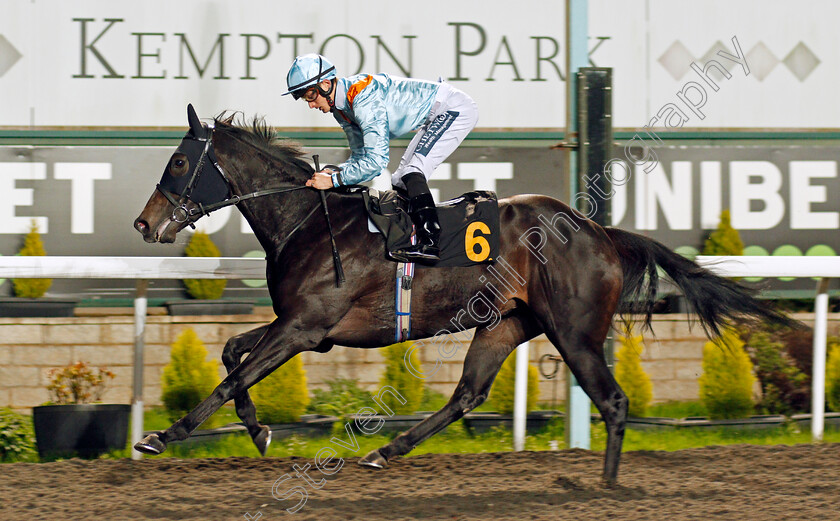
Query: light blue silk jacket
x=371, y=110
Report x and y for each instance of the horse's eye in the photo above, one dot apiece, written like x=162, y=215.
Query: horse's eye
x=179, y=165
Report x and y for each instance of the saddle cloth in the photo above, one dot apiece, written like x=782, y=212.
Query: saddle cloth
x=469, y=226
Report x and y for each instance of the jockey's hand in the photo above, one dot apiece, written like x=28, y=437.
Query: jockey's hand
x=321, y=180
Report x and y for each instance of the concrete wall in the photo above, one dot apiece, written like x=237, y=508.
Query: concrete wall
x=30, y=347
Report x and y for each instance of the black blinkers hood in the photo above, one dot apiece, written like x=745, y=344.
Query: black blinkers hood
x=210, y=185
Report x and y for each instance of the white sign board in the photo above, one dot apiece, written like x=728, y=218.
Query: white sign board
x=100, y=63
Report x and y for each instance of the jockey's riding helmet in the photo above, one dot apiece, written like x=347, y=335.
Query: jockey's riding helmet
x=307, y=71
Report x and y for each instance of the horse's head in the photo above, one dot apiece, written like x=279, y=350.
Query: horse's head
x=192, y=184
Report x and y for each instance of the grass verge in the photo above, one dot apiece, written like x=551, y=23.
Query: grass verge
x=456, y=438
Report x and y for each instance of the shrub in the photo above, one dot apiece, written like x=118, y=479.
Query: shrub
x=785, y=389
x=342, y=398
x=725, y=240
x=832, y=375
x=397, y=376
x=200, y=245
x=631, y=376
x=17, y=439
x=77, y=383
x=501, y=394
x=282, y=397
x=188, y=378
x=33, y=247
x=727, y=379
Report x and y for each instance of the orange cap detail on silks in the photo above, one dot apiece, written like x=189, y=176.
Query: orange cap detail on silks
x=356, y=88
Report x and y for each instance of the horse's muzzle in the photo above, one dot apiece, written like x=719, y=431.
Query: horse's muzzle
x=143, y=227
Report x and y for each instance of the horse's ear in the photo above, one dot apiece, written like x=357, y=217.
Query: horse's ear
x=195, y=123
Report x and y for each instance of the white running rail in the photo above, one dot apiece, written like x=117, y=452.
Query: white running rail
x=143, y=269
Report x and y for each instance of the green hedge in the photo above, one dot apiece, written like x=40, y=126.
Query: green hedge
x=189, y=377
x=396, y=375
x=282, y=397
x=17, y=438
x=200, y=245
x=630, y=375
x=33, y=247
x=726, y=385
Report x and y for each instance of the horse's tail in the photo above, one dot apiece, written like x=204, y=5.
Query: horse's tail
x=716, y=300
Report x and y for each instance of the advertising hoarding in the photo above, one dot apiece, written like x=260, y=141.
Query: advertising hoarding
x=98, y=63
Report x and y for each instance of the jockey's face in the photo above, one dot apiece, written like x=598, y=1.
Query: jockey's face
x=320, y=102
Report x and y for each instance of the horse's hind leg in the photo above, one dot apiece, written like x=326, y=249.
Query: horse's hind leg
x=487, y=352
x=581, y=343
x=585, y=359
x=235, y=348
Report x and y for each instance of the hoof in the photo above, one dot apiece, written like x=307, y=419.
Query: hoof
x=374, y=459
x=263, y=439
x=610, y=483
x=151, y=444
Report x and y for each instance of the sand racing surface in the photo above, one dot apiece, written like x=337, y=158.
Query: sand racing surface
x=740, y=482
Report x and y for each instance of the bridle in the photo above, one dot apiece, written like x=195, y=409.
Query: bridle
x=181, y=213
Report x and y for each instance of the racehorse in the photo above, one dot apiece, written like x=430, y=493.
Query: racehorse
x=565, y=277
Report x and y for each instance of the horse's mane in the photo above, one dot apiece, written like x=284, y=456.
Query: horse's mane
x=262, y=136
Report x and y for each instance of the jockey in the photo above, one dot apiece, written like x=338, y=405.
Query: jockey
x=371, y=109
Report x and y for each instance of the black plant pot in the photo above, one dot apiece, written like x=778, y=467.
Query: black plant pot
x=193, y=307
x=84, y=430
x=37, y=307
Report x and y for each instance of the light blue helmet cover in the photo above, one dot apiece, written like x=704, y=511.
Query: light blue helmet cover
x=308, y=70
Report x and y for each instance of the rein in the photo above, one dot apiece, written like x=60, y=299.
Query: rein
x=181, y=213
x=202, y=210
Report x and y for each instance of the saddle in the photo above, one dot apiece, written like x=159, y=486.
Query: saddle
x=469, y=226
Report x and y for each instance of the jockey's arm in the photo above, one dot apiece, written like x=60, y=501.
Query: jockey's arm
x=369, y=141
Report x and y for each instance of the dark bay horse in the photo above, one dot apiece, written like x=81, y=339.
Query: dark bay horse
x=561, y=275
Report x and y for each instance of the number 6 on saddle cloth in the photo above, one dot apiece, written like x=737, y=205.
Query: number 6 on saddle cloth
x=469, y=226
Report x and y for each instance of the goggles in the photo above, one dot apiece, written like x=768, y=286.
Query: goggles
x=308, y=95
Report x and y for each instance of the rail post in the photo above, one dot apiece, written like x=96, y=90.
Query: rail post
x=140, y=307
x=818, y=379
x=520, y=397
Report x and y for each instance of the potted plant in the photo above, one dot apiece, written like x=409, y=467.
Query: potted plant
x=206, y=294
x=28, y=300
x=73, y=422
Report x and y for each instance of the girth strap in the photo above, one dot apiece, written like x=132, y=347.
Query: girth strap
x=405, y=277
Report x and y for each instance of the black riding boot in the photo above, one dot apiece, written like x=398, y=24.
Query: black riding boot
x=425, y=219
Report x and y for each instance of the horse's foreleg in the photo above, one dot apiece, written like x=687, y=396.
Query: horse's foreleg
x=487, y=352
x=270, y=353
x=234, y=350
